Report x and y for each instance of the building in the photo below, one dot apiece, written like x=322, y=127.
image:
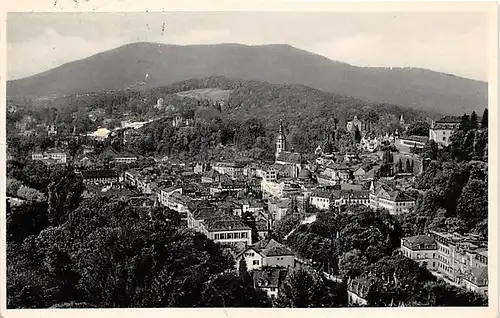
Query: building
x=100, y=134
x=227, y=187
x=410, y=143
x=442, y=129
x=335, y=174
x=227, y=231
x=125, y=157
x=212, y=176
x=422, y=249
x=383, y=196
x=357, y=291
x=459, y=255
x=99, y=176
x=321, y=199
x=201, y=167
x=278, y=207
x=269, y=280
x=51, y=130
x=324, y=199
x=266, y=252
x=476, y=279
x=50, y=156
x=232, y=169
x=355, y=122
x=280, y=141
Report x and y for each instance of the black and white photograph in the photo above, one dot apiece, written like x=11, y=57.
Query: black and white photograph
x=250, y=159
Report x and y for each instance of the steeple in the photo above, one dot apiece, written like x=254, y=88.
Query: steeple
x=280, y=140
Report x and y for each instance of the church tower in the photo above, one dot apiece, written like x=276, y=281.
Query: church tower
x=280, y=140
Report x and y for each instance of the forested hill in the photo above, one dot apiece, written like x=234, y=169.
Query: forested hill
x=127, y=66
x=243, y=100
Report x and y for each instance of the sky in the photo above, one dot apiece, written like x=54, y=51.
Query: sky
x=449, y=42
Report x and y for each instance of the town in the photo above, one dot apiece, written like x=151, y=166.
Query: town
x=368, y=200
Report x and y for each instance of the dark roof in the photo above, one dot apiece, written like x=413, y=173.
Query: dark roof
x=225, y=224
x=269, y=277
x=450, y=119
x=234, y=164
x=269, y=247
x=420, y=240
x=94, y=174
x=291, y=157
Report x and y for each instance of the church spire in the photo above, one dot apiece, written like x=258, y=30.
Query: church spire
x=280, y=140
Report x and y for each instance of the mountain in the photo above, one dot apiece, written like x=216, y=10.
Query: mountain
x=129, y=65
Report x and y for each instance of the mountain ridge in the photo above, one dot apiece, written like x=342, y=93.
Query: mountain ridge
x=165, y=64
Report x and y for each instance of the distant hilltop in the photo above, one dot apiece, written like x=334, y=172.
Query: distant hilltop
x=127, y=66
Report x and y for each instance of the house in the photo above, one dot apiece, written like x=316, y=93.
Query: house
x=201, y=167
x=457, y=254
x=266, y=252
x=278, y=207
x=113, y=156
x=442, y=129
x=50, y=156
x=227, y=231
x=351, y=197
x=335, y=174
x=125, y=157
x=321, y=199
x=476, y=279
x=262, y=227
x=227, y=187
x=269, y=172
x=383, y=196
x=357, y=291
x=233, y=169
x=422, y=249
x=212, y=176
x=99, y=176
x=269, y=280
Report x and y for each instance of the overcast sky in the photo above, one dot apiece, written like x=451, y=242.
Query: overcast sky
x=454, y=43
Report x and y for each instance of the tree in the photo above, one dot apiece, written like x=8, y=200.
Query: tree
x=419, y=128
x=30, y=194
x=399, y=165
x=473, y=120
x=465, y=124
x=473, y=202
x=408, y=166
x=301, y=288
x=352, y=263
x=242, y=268
x=484, y=119
x=357, y=135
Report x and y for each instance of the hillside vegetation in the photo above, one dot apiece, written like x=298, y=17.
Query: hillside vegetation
x=127, y=66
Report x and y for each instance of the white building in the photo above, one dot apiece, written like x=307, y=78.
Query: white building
x=266, y=252
x=442, y=129
x=422, y=249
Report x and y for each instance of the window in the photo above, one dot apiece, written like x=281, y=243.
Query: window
x=273, y=289
x=255, y=262
x=444, y=138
